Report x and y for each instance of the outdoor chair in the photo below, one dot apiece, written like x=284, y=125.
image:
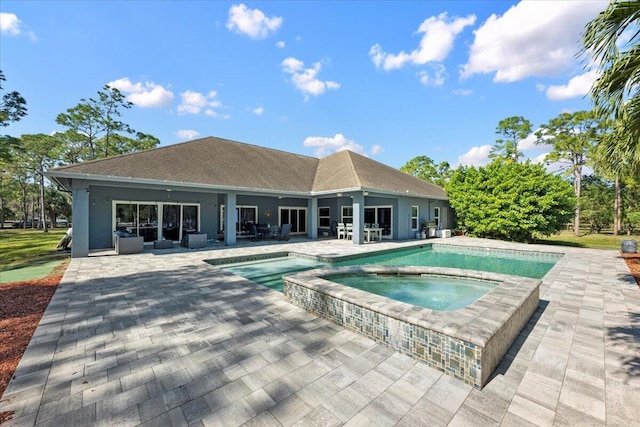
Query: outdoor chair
x=342, y=231
x=349, y=231
x=284, y=233
x=257, y=235
x=274, y=231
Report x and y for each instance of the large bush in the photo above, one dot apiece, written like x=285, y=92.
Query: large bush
x=510, y=201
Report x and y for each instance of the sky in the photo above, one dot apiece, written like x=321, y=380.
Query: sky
x=389, y=80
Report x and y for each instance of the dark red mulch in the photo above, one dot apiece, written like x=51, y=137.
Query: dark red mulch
x=22, y=305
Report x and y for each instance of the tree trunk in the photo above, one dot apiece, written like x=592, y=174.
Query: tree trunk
x=33, y=213
x=43, y=210
x=1, y=212
x=25, y=207
x=617, y=214
x=577, y=184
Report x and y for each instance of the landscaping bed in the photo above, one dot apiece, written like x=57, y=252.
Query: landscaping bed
x=633, y=262
x=22, y=305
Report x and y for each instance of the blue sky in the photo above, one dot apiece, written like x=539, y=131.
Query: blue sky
x=391, y=80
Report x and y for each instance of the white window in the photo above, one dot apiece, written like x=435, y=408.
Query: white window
x=436, y=216
x=415, y=210
x=156, y=220
x=245, y=216
x=347, y=214
x=381, y=215
x=297, y=217
x=324, y=217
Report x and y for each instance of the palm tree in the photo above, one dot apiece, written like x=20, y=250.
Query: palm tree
x=612, y=39
x=611, y=160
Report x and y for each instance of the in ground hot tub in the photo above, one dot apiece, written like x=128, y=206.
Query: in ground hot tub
x=467, y=343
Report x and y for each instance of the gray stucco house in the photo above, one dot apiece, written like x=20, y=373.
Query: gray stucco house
x=212, y=185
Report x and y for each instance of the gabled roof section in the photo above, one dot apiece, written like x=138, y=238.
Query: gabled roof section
x=208, y=161
x=222, y=163
x=335, y=172
x=348, y=170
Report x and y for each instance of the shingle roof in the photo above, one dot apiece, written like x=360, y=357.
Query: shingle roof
x=346, y=169
x=223, y=163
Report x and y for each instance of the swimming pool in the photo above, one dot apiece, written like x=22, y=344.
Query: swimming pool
x=269, y=271
x=443, y=293
x=467, y=343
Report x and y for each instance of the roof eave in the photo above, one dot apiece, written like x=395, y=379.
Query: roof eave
x=166, y=183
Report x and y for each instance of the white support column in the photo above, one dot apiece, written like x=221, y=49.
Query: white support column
x=312, y=220
x=358, y=218
x=80, y=213
x=230, y=219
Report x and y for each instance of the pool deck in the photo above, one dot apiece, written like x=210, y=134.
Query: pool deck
x=161, y=338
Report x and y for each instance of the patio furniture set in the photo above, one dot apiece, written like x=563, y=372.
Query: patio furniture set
x=372, y=231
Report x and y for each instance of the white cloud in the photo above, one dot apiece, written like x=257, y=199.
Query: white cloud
x=328, y=145
x=280, y=44
x=438, y=34
x=533, y=38
x=306, y=79
x=577, y=86
x=258, y=111
x=12, y=26
x=539, y=159
x=145, y=95
x=529, y=143
x=187, y=134
x=433, y=77
x=476, y=156
x=462, y=92
x=196, y=102
x=252, y=22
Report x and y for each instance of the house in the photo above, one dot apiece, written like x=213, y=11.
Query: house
x=213, y=185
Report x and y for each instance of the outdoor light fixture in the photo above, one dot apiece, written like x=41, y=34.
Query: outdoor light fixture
x=365, y=193
x=339, y=194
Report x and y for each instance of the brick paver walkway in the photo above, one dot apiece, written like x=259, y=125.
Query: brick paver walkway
x=164, y=339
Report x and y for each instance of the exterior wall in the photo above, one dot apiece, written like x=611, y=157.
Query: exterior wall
x=263, y=203
x=100, y=209
x=446, y=213
x=101, y=221
x=401, y=210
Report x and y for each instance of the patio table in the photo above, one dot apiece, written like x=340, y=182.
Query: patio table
x=377, y=233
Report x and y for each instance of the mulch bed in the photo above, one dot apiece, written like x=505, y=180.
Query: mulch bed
x=633, y=262
x=22, y=305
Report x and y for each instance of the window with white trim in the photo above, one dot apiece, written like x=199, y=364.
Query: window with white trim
x=324, y=217
x=415, y=211
x=436, y=216
x=347, y=214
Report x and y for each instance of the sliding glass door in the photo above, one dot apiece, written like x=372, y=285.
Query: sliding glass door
x=380, y=215
x=297, y=217
x=153, y=220
x=171, y=222
x=245, y=216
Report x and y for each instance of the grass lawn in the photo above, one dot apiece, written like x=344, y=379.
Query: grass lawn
x=587, y=240
x=19, y=247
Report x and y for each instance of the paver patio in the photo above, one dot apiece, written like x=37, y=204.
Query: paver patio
x=162, y=339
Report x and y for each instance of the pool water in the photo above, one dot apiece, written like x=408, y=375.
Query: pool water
x=269, y=272
x=436, y=293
